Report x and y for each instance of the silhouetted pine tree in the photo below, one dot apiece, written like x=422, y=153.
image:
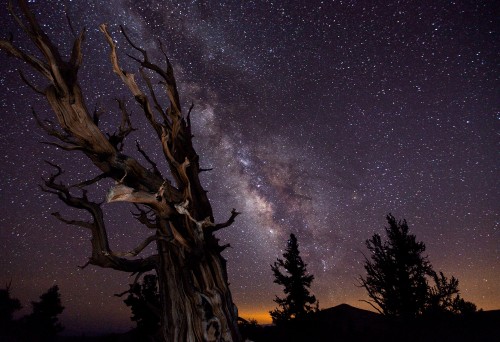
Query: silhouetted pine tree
x=144, y=301
x=298, y=302
x=396, y=275
x=43, y=324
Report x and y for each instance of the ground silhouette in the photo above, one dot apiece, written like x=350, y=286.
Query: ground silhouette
x=347, y=323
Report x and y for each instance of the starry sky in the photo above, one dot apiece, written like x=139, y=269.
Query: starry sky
x=317, y=117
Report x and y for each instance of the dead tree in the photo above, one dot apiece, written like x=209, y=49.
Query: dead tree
x=196, y=300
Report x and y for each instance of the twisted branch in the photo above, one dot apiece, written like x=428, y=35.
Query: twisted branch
x=229, y=222
x=102, y=255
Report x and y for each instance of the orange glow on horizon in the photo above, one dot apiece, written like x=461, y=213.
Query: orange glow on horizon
x=262, y=317
x=487, y=303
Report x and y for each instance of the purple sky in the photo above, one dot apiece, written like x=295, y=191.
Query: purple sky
x=317, y=118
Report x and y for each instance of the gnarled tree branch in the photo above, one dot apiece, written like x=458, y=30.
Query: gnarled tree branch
x=134, y=252
x=149, y=160
x=143, y=218
x=102, y=255
x=229, y=222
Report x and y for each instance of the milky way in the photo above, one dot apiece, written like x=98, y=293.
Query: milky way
x=317, y=117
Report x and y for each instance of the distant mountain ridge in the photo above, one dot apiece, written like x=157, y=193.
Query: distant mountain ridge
x=354, y=324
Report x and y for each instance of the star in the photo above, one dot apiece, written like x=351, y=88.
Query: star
x=317, y=118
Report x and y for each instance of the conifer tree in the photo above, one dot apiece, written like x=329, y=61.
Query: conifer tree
x=298, y=302
x=43, y=322
x=396, y=275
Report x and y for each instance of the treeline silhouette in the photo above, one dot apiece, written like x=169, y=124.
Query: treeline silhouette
x=414, y=303
x=398, y=281
x=41, y=325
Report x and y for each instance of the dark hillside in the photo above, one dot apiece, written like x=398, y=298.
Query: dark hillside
x=344, y=323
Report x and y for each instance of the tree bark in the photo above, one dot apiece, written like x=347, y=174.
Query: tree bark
x=195, y=296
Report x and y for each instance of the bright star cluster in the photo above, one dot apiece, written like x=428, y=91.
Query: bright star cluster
x=318, y=118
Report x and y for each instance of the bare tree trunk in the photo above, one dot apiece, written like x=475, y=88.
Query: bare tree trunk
x=206, y=305
x=195, y=297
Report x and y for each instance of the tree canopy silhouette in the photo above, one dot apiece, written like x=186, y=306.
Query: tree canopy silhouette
x=398, y=275
x=444, y=297
x=298, y=302
x=43, y=322
x=196, y=303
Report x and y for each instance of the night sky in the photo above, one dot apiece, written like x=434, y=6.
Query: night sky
x=318, y=119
